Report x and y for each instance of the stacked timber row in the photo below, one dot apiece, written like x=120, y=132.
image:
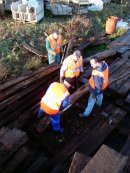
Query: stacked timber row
x=24, y=149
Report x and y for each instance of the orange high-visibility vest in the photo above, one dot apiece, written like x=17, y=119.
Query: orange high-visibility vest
x=55, y=44
x=73, y=69
x=52, y=100
x=103, y=74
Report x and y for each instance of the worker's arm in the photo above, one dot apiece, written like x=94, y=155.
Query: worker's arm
x=65, y=103
x=62, y=77
x=40, y=113
x=49, y=49
x=62, y=70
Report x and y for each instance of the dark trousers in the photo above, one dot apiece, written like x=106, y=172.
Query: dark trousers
x=74, y=84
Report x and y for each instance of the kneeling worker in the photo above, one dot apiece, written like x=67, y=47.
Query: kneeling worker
x=55, y=99
x=70, y=70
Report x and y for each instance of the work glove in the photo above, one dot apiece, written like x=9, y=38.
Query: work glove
x=54, y=53
x=40, y=113
x=93, y=96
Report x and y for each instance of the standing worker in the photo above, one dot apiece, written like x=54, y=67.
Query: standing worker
x=55, y=99
x=98, y=83
x=54, y=46
x=70, y=70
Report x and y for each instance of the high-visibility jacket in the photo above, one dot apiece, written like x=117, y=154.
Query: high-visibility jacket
x=73, y=69
x=102, y=74
x=55, y=44
x=52, y=100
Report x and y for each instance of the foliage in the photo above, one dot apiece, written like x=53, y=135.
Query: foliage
x=33, y=63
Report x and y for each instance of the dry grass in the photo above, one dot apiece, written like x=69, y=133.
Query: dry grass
x=4, y=72
x=77, y=25
x=33, y=63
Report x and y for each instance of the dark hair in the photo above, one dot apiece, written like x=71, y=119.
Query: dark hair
x=96, y=59
x=77, y=53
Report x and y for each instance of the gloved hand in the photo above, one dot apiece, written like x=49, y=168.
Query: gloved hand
x=54, y=53
x=93, y=96
x=98, y=91
x=40, y=113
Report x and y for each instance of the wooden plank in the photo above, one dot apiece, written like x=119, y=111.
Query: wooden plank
x=100, y=135
x=37, y=165
x=69, y=48
x=116, y=64
x=22, y=78
x=126, y=148
x=127, y=100
x=25, y=96
x=125, y=87
x=15, y=161
x=31, y=49
x=124, y=69
x=23, y=119
x=26, y=83
x=118, y=40
x=10, y=143
x=78, y=162
x=106, y=159
x=101, y=55
x=75, y=143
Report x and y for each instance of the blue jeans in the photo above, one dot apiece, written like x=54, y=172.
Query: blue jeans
x=91, y=102
x=55, y=119
x=52, y=57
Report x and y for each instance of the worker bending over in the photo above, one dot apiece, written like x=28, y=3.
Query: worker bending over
x=70, y=70
x=54, y=46
x=55, y=99
x=98, y=83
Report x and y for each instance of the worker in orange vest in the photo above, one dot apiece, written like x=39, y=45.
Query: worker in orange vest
x=70, y=70
x=54, y=47
x=98, y=83
x=55, y=99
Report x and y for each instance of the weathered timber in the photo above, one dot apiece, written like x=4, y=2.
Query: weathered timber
x=102, y=55
x=78, y=162
x=26, y=163
x=127, y=100
x=29, y=92
x=22, y=105
x=126, y=148
x=26, y=83
x=44, y=140
x=37, y=165
x=23, y=119
x=69, y=48
x=10, y=143
x=22, y=78
x=75, y=143
x=126, y=151
x=125, y=87
x=15, y=161
x=106, y=159
x=118, y=40
x=31, y=49
x=124, y=69
x=100, y=135
x=120, y=61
